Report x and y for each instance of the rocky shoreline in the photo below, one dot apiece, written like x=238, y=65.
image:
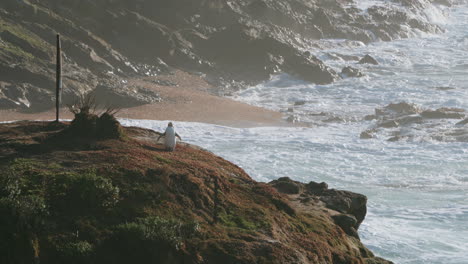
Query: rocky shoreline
x=123, y=199
x=231, y=44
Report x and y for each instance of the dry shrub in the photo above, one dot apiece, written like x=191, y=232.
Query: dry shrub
x=88, y=124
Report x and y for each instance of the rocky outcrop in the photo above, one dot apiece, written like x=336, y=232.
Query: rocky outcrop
x=69, y=197
x=233, y=43
x=347, y=209
x=404, y=121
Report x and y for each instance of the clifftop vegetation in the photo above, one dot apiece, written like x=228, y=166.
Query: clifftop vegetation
x=82, y=199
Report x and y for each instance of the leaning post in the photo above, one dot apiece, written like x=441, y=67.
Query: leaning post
x=58, y=91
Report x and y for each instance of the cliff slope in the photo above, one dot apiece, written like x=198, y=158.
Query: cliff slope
x=66, y=198
x=231, y=43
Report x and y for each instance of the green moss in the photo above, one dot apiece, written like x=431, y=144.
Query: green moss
x=242, y=221
x=26, y=35
x=147, y=240
x=9, y=49
x=163, y=160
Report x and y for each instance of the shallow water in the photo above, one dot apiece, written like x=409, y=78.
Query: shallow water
x=417, y=189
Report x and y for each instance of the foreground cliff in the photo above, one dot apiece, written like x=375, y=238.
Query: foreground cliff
x=72, y=199
x=232, y=44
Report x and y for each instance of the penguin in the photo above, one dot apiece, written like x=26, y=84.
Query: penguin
x=170, y=137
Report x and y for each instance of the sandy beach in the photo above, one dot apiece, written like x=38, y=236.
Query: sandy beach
x=189, y=100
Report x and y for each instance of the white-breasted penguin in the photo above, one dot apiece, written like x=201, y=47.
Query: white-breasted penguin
x=170, y=137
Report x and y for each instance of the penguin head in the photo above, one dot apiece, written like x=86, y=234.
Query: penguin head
x=170, y=124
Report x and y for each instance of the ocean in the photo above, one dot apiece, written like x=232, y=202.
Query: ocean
x=417, y=186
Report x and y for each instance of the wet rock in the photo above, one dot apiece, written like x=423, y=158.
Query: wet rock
x=368, y=60
x=309, y=68
x=366, y=135
x=293, y=119
x=444, y=88
x=297, y=103
x=389, y=124
x=333, y=119
x=349, y=71
x=397, y=110
x=442, y=114
x=286, y=185
x=394, y=139
x=447, y=3
x=463, y=122
x=407, y=120
x=370, y=117
x=339, y=56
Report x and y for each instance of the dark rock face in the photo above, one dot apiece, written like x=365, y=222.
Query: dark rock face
x=286, y=185
x=347, y=223
x=234, y=43
x=347, y=203
x=343, y=202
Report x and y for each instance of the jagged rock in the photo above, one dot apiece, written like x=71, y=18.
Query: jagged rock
x=285, y=185
x=349, y=71
x=341, y=201
x=346, y=203
x=368, y=60
x=399, y=108
x=347, y=223
x=316, y=188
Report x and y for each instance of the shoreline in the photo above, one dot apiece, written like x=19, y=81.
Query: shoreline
x=189, y=100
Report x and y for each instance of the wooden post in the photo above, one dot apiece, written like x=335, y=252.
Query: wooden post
x=58, y=92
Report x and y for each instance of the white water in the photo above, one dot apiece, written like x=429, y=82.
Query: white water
x=417, y=190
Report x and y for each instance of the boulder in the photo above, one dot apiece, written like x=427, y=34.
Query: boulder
x=286, y=185
x=315, y=187
x=348, y=223
x=368, y=60
x=346, y=202
x=349, y=71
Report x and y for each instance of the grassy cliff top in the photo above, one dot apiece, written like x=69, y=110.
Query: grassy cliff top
x=71, y=199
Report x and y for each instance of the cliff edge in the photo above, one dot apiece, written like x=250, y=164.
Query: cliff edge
x=66, y=198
